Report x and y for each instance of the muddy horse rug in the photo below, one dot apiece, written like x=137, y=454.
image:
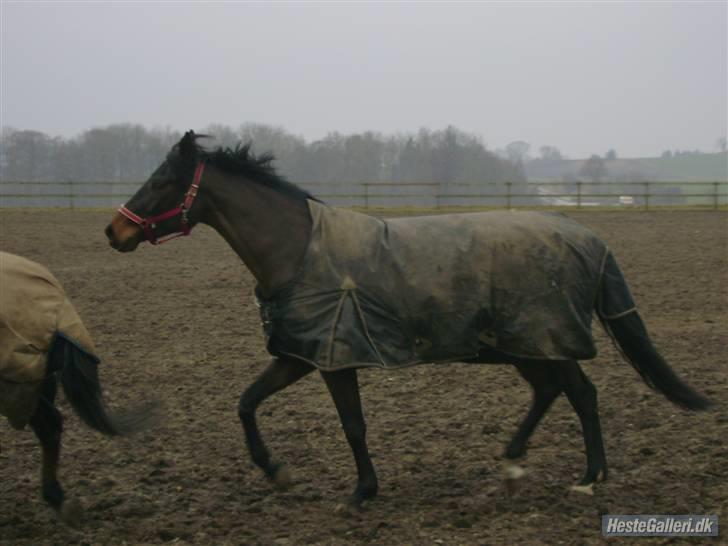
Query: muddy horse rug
x=34, y=310
x=399, y=292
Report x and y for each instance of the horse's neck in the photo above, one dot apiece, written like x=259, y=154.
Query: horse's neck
x=267, y=228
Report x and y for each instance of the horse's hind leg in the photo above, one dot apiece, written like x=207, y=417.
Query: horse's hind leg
x=344, y=388
x=47, y=423
x=583, y=397
x=547, y=384
x=281, y=373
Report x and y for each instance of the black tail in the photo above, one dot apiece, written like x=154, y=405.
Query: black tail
x=80, y=380
x=631, y=336
x=617, y=312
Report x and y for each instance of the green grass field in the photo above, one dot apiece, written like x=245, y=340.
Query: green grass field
x=687, y=168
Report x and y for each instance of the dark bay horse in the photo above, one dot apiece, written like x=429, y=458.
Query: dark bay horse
x=269, y=223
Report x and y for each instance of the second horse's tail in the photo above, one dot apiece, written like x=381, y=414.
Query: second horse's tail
x=80, y=380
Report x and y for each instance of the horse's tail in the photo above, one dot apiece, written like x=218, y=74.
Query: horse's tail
x=80, y=379
x=625, y=327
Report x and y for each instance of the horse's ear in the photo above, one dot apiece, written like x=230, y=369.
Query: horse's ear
x=187, y=144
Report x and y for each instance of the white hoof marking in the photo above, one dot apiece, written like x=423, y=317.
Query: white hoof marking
x=585, y=489
x=514, y=472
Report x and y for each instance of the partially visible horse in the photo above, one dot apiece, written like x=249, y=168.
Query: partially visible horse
x=340, y=290
x=42, y=341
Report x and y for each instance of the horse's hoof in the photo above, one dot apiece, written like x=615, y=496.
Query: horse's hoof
x=583, y=489
x=513, y=474
x=345, y=509
x=71, y=512
x=349, y=509
x=281, y=478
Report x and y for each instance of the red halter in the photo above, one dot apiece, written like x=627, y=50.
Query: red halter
x=149, y=224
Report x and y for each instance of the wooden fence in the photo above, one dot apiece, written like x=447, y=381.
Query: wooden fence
x=644, y=195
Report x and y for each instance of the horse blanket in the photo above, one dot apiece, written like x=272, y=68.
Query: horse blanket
x=404, y=291
x=34, y=310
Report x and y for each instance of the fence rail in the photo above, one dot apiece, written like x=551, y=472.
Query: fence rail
x=71, y=194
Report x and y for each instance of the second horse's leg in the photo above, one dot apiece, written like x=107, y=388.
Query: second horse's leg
x=47, y=423
x=281, y=373
x=344, y=389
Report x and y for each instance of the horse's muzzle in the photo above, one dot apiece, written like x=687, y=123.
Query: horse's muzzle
x=128, y=244
x=109, y=232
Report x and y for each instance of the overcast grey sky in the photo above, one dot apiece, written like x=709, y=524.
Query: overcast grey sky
x=640, y=77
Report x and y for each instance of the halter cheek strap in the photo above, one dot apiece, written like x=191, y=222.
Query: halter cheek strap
x=148, y=225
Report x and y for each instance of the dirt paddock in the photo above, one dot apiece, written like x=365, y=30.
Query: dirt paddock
x=179, y=322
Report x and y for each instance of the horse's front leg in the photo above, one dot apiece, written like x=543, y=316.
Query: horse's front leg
x=344, y=389
x=277, y=376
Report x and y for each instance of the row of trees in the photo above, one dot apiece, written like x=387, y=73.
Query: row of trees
x=119, y=152
x=126, y=152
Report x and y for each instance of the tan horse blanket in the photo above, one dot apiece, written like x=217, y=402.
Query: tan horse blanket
x=33, y=310
x=404, y=291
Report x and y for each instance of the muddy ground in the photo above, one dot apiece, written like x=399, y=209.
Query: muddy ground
x=179, y=322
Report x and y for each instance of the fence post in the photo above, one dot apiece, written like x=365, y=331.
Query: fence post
x=366, y=195
x=578, y=194
x=715, y=195
x=71, y=194
x=509, y=185
x=647, y=195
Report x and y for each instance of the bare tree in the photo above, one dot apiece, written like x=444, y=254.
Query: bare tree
x=27, y=155
x=222, y=135
x=594, y=169
x=518, y=150
x=550, y=153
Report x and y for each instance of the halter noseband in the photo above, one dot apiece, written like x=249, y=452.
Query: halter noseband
x=149, y=224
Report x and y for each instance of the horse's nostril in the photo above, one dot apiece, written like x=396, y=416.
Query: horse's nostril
x=109, y=231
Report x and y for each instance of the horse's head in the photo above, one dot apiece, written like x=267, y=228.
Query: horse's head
x=159, y=210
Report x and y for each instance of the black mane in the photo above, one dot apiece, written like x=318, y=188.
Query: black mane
x=241, y=160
